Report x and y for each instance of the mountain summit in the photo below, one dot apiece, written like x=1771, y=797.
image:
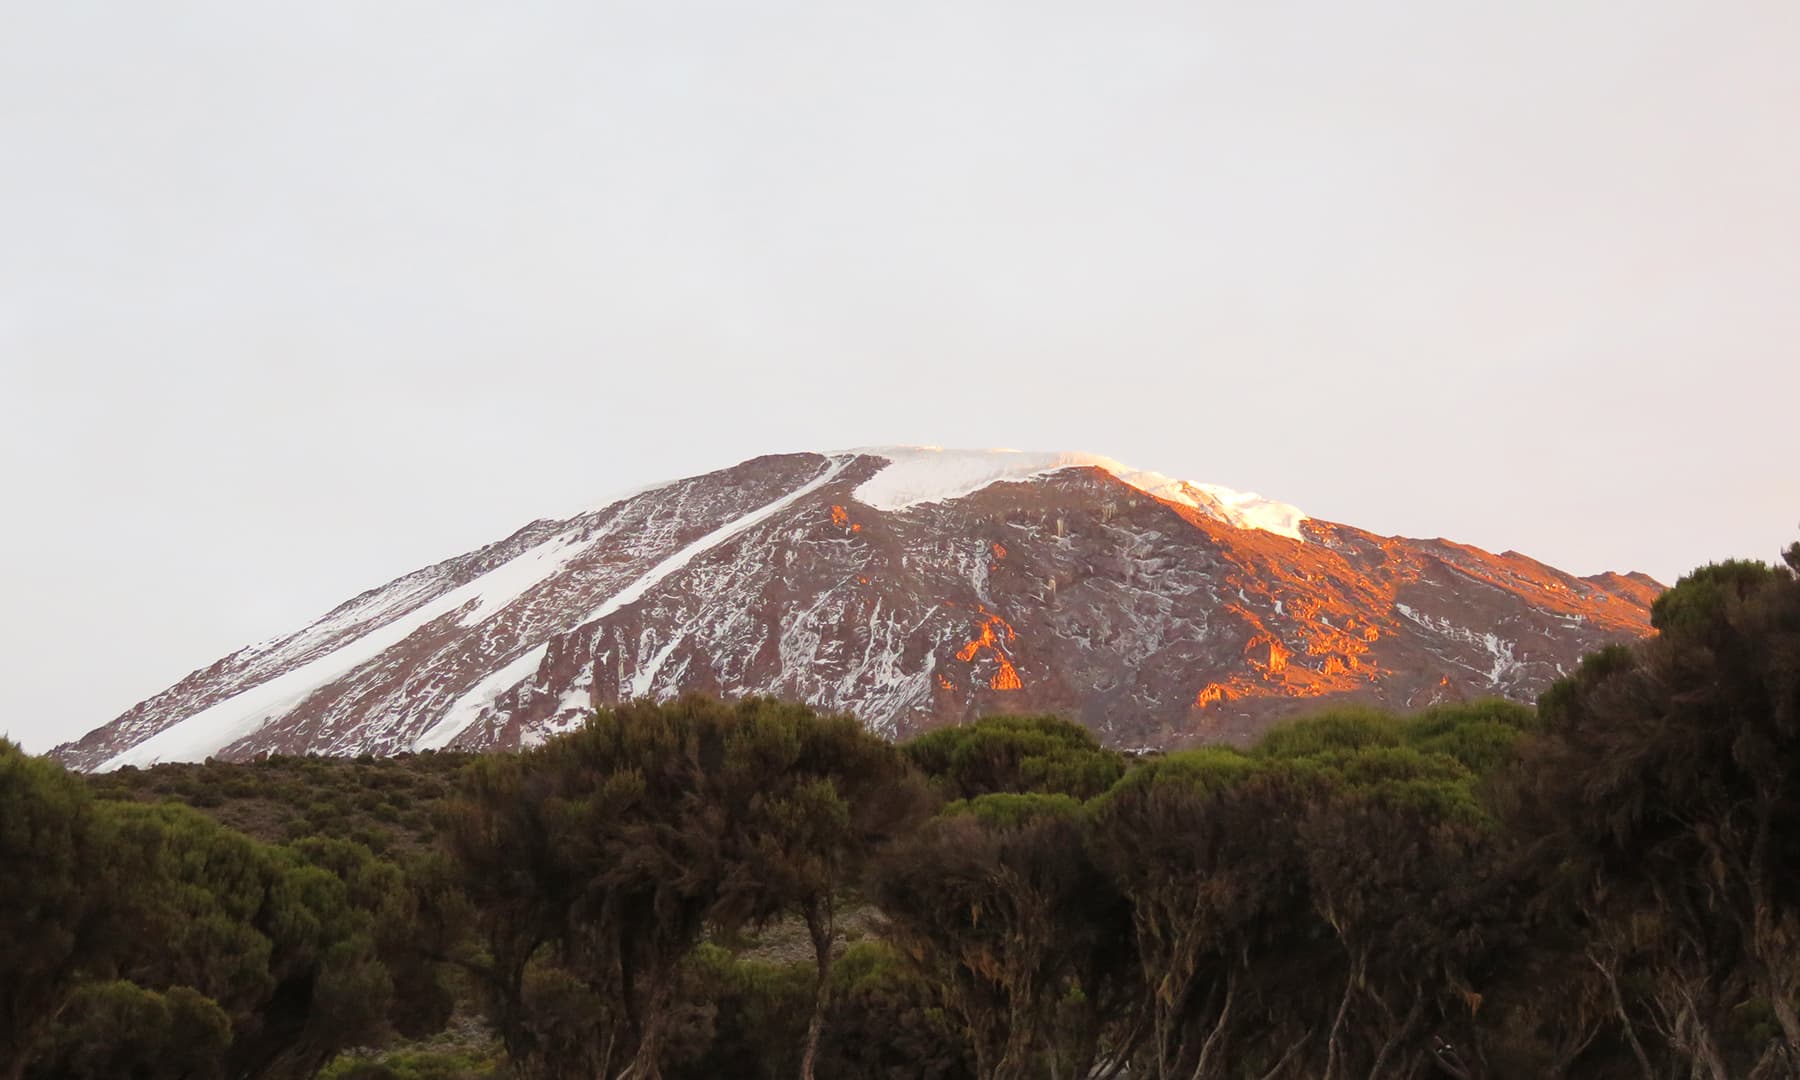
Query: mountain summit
x=914, y=586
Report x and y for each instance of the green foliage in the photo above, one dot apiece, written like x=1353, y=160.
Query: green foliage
x=416, y=1065
x=888, y=1021
x=1700, y=598
x=1332, y=731
x=1008, y=810
x=1558, y=704
x=401, y=929
x=175, y=946
x=1482, y=735
x=1435, y=785
x=383, y=803
x=1019, y=754
x=758, y=1016
x=118, y=1029
x=611, y=851
x=60, y=890
x=1011, y=916
x=275, y=942
x=1608, y=887
x=1663, y=806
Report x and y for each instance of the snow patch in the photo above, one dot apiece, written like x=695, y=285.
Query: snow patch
x=1501, y=650
x=925, y=474
x=225, y=722
x=645, y=679
x=511, y=580
x=635, y=591
x=467, y=709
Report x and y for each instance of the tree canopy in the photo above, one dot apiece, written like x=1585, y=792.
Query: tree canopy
x=1607, y=887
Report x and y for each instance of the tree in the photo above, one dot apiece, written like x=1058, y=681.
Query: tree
x=810, y=799
x=58, y=899
x=888, y=1022
x=1204, y=846
x=1405, y=885
x=508, y=886
x=1663, y=803
x=1003, y=905
x=275, y=942
x=407, y=942
x=609, y=852
x=120, y=1031
x=1044, y=755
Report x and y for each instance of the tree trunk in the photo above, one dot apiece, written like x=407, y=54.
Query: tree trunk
x=1396, y=1038
x=1637, y=1048
x=1790, y=1023
x=1333, y=1047
x=1281, y=1063
x=1706, y=1052
x=822, y=926
x=646, y=1064
x=1215, y=1038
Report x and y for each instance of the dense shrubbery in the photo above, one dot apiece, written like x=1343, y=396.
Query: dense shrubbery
x=385, y=804
x=1606, y=887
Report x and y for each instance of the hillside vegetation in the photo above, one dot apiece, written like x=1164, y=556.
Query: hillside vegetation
x=1605, y=887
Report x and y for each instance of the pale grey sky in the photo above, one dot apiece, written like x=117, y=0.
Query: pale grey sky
x=297, y=297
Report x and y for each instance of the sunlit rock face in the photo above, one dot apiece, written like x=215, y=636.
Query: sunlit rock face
x=913, y=587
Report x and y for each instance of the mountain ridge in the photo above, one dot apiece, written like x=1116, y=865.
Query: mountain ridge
x=1157, y=612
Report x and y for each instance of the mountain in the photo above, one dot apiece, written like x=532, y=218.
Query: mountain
x=912, y=586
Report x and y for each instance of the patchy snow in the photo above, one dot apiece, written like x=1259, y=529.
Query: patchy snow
x=223, y=723
x=509, y=581
x=1501, y=650
x=212, y=729
x=635, y=591
x=923, y=474
x=645, y=678
x=467, y=709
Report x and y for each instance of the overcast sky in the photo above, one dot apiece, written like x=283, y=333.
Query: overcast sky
x=297, y=297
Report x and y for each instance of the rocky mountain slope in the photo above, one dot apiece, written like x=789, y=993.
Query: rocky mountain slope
x=912, y=586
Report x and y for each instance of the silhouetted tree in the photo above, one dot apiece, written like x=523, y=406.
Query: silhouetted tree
x=809, y=799
x=1205, y=846
x=1003, y=905
x=1664, y=802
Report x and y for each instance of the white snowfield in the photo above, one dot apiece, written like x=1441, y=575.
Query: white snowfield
x=212, y=729
x=915, y=475
x=924, y=474
x=468, y=709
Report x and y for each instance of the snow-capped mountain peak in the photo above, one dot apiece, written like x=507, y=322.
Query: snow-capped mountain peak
x=920, y=474
x=913, y=586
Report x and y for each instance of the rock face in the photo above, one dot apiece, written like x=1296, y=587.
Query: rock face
x=912, y=587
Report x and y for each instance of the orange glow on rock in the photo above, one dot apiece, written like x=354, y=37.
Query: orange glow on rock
x=945, y=683
x=999, y=551
x=840, y=516
x=1277, y=655
x=1210, y=694
x=1007, y=678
